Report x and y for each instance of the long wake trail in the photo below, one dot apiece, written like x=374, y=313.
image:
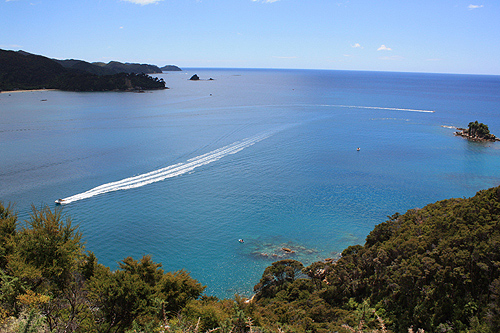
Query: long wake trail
x=379, y=108
x=170, y=171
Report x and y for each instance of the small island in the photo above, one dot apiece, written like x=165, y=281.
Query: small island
x=477, y=132
x=170, y=68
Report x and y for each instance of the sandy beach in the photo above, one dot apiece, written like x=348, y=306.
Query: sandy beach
x=21, y=91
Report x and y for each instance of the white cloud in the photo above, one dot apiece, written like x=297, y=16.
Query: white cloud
x=384, y=48
x=471, y=7
x=357, y=45
x=278, y=57
x=265, y=1
x=143, y=2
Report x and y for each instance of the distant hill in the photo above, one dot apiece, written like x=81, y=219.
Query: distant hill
x=23, y=70
x=119, y=67
x=170, y=68
x=113, y=67
x=85, y=66
x=20, y=70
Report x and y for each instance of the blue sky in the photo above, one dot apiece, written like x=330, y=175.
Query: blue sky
x=442, y=36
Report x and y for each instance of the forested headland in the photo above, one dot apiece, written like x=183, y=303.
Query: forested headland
x=434, y=269
x=21, y=71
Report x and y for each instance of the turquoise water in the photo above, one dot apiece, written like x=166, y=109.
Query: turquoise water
x=267, y=156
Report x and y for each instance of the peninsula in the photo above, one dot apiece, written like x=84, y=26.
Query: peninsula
x=25, y=71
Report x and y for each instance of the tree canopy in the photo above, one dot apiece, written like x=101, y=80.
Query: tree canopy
x=477, y=131
x=435, y=269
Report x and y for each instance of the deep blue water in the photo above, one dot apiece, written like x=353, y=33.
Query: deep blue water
x=268, y=156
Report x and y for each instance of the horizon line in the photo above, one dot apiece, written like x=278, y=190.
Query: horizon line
x=277, y=68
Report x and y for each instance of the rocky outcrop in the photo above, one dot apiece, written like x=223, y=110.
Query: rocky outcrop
x=476, y=132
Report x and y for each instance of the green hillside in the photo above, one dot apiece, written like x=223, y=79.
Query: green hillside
x=22, y=70
x=19, y=71
x=434, y=269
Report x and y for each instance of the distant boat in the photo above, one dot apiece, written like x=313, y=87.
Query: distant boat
x=60, y=201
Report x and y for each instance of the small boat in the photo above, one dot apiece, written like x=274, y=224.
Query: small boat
x=60, y=201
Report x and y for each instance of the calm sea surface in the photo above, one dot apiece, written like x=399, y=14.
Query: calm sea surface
x=267, y=156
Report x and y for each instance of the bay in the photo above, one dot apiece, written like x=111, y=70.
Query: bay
x=267, y=156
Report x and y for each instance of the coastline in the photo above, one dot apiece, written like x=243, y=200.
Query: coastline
x=44, y=90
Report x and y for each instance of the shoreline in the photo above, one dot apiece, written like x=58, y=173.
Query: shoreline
x=28, y=90
x=117, y=90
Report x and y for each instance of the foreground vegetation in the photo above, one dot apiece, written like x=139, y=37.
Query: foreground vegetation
x=434, y=269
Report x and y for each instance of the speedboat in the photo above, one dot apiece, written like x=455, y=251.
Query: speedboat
x=60, y=201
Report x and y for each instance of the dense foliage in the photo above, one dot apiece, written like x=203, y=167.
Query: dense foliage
x=112, y=67
x=21, y=70
x=119, y=67
x=435, y=269
x=49, y=282
x=480, y=130
x=122, y=81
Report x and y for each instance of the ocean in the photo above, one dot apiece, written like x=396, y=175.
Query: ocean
x=267, y=156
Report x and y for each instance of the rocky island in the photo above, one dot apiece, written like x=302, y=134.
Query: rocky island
x=476, y=132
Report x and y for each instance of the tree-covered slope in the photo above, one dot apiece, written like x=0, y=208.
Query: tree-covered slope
x=119, y=67
x=435, y=268
x=85, y=67
x=22, y=70
x=49, y=283
x=113, y=67
x=27, y=71
x=431, y=267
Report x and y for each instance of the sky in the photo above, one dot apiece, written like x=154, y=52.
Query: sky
x=437, y=36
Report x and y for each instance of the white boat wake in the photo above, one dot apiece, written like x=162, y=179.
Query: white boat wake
x=170, y=171
x=378, y=108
